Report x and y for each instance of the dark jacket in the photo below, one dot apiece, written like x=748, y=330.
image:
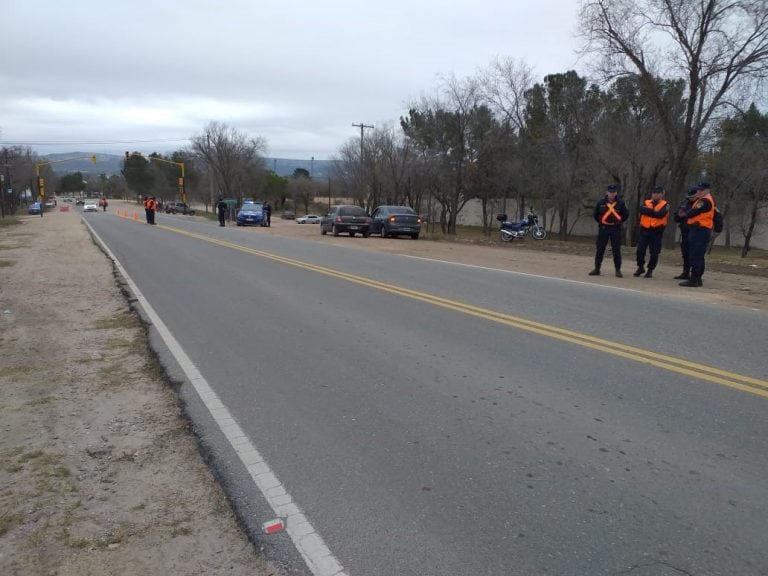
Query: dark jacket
x=682, y=221
x=221, y=207
x=611, y=220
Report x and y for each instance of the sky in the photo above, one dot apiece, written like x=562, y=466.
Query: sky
x=106, y=76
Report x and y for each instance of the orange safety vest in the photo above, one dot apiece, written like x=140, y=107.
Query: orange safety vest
x=651, y=222
x=705, y=219
x=151, y=204
x=611, y=210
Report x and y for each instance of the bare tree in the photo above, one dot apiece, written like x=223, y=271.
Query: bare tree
x=231, y=156
x=503, y=86
x=716, y=46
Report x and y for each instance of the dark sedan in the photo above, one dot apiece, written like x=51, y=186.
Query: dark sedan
x=395, y=221
x=346, y=219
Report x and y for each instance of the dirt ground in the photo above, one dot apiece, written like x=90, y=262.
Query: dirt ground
x=99, y=473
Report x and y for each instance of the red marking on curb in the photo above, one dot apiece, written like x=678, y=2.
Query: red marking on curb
x=273, y=526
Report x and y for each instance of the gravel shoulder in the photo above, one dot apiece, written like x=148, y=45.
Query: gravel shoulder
x=100, y=473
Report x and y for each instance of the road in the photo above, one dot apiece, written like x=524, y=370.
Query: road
x=425, y=418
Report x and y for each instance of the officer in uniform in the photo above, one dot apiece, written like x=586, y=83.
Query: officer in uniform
x=682, y=223
x=610, y=213
x=700, y=218
x=654, y=215
x=221, y=209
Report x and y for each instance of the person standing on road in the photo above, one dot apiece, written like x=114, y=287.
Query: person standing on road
x=268, y=213
x=221, y=209
x=146, y=210
x=151, y=209
x=610, y=213
x=654, y=216
x=682, y=223
x=700, y=218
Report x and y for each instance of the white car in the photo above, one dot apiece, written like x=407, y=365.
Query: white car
x=308, y=219
x=90, y=206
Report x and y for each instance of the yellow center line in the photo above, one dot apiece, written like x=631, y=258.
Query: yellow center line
x=663, y=361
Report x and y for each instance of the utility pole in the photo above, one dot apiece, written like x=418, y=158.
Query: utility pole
x=362, y=127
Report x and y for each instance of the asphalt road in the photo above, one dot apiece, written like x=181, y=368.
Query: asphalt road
x=436, y=419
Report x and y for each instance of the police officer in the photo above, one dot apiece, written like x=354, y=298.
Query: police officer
x=146, y=210
x=682, y=223
x=151, y=209
x=221, y=208
x=654, y=215
x=700, y=219
x=610, y=213
x=268, y=213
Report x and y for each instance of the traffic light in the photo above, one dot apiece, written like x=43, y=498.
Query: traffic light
x=127, y=155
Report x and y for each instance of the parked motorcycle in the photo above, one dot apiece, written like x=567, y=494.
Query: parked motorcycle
x=511, y=230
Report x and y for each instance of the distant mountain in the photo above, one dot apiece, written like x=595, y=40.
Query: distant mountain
x=109, y=164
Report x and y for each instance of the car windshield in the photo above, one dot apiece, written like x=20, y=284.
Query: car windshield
x=401, y=210
x=251, y=208
x=351, y=211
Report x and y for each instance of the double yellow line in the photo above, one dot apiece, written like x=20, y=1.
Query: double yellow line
x=678, y=365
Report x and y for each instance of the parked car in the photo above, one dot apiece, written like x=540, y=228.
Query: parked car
x=288, y=215
x=174, y=207
x=395, y=221
x=90, y=206
x=34, y=208
x=346, y=218
x=309, y=219
x=251, y=214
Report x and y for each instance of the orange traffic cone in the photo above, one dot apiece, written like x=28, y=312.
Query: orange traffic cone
x=135, y=215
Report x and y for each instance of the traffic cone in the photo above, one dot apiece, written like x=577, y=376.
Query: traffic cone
x=135, y=215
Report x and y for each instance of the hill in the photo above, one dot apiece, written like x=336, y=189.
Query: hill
x=112, y=164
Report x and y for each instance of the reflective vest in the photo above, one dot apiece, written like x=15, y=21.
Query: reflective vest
x=151, y=204
x=651, y=222
x=705, y=219
x=610, y=211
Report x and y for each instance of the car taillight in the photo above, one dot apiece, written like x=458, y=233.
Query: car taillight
x=338, y=220
x=391, y=218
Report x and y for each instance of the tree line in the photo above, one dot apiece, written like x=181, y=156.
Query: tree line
x=675, y=97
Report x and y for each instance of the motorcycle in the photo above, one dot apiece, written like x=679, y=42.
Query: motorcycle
x=511, y=230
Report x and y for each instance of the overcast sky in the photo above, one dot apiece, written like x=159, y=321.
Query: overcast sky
x=106, y=76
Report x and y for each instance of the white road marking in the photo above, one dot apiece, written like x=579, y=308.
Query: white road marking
x=319, y=559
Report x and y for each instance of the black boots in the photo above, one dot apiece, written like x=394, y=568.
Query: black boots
x=692, y=283
x=684, y=276
x=648, y=274
x=619, y=274
x=640, y=270
x=595, y=272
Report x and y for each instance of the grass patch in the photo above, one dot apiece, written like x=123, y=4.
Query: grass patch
x=14, y=371
x=29, y=456
x=181, y=531
x=123, y=320
x=40, y=401
x=8, y=521
x=113, y=376
x=8, y=222
x=119, y=343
